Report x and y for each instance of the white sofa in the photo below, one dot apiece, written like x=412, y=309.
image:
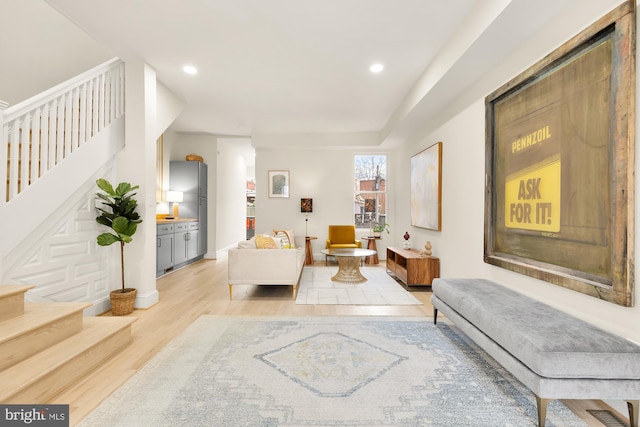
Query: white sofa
x=251, y=266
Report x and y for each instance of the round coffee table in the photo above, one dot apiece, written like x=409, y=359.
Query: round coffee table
x=348, y=264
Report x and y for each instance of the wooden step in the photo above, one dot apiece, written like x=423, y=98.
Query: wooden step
x=39, y=378
x=42, y=325
x=12, y=300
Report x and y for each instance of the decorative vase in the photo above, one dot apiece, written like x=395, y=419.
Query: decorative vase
x=426, y=252
x=122, y=302
x=406, y=243
x=377, y=233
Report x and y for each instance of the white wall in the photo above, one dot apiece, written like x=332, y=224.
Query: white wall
x=176, y=147
x=169, y=106
x=136, y=164
x=40, y=49
x=461, y=129
x=326, y=176
x=232, y=191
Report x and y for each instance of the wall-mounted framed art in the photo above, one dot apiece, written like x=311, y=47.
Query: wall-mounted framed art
x=278, y=183
x=426, y=188
x=559, y=196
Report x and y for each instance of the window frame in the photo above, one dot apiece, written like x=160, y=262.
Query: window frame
x=363, y=218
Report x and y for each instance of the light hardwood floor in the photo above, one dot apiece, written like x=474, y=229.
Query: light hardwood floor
x=201, y=288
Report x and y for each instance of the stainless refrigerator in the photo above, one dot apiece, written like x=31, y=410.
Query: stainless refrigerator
x=190, y=177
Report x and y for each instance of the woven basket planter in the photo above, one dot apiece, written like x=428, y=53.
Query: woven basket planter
x=122, y=303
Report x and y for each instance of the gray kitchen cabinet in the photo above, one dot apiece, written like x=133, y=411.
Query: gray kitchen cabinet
x=164, y=248
x=186, y=243
x=177, y=245
x=180, y=251
x=193, y=240
x=190, y=177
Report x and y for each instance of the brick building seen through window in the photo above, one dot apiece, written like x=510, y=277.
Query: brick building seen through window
x=370, y=185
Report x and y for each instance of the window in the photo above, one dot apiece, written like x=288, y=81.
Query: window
x=370, y=192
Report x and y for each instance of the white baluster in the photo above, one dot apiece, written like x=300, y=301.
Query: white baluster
x=68, y=118
x=53, y=133
x=14, y=135
x=44, y=139
x=95, y=96
x=75, y=114
x=25, y=133
x=35, y=144
x=102, y=105
x=4, y=140
x=83, y=113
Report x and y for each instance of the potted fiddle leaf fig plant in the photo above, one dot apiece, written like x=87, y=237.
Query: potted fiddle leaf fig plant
x=119, y=214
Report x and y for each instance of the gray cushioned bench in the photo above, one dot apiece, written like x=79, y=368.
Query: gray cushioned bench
x=556, y=355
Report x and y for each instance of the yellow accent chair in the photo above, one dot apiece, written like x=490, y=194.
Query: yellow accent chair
x=342, y=236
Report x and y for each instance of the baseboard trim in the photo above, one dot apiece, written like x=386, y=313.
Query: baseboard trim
x=147, y=300
x=99, y=307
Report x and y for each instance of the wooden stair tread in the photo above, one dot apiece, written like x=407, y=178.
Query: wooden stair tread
x=10, y=290
x=12, y=300
x=36, y=315
x=34, y=369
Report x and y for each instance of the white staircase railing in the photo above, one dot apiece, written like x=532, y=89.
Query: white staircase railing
x=39, y=133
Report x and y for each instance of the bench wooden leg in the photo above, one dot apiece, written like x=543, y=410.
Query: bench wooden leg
x=542, y=410
x=435, y=315
x=633, y=412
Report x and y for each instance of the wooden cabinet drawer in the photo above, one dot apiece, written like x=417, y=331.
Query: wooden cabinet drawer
x=401, y=273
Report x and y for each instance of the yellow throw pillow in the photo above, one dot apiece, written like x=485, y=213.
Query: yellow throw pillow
x=287, y=238
x=265, y=242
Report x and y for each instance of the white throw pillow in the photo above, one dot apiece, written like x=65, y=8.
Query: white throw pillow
x=287, y=238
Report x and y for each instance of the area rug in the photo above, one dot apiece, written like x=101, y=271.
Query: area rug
x=322, y=371
x=316, y=287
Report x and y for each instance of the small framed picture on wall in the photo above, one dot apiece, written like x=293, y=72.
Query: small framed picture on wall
x=279, y=183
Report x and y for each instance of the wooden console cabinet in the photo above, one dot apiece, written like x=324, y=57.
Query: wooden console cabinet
x=412, y=269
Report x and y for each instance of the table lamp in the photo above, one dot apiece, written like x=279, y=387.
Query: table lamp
x=175, y=197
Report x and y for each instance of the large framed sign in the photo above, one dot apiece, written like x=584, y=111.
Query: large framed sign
x=560, y=138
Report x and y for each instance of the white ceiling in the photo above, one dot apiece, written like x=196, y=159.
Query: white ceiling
x=302, y=66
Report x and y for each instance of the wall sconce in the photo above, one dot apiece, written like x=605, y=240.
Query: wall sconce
x=174, y=197
x=306, y=207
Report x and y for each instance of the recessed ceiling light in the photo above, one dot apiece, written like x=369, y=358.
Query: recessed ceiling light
x=376, y=68
x=190, y=69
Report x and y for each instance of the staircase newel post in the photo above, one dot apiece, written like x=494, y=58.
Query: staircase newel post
x=4, y=138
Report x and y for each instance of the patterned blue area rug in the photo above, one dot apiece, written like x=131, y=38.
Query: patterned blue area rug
x=323, y=371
